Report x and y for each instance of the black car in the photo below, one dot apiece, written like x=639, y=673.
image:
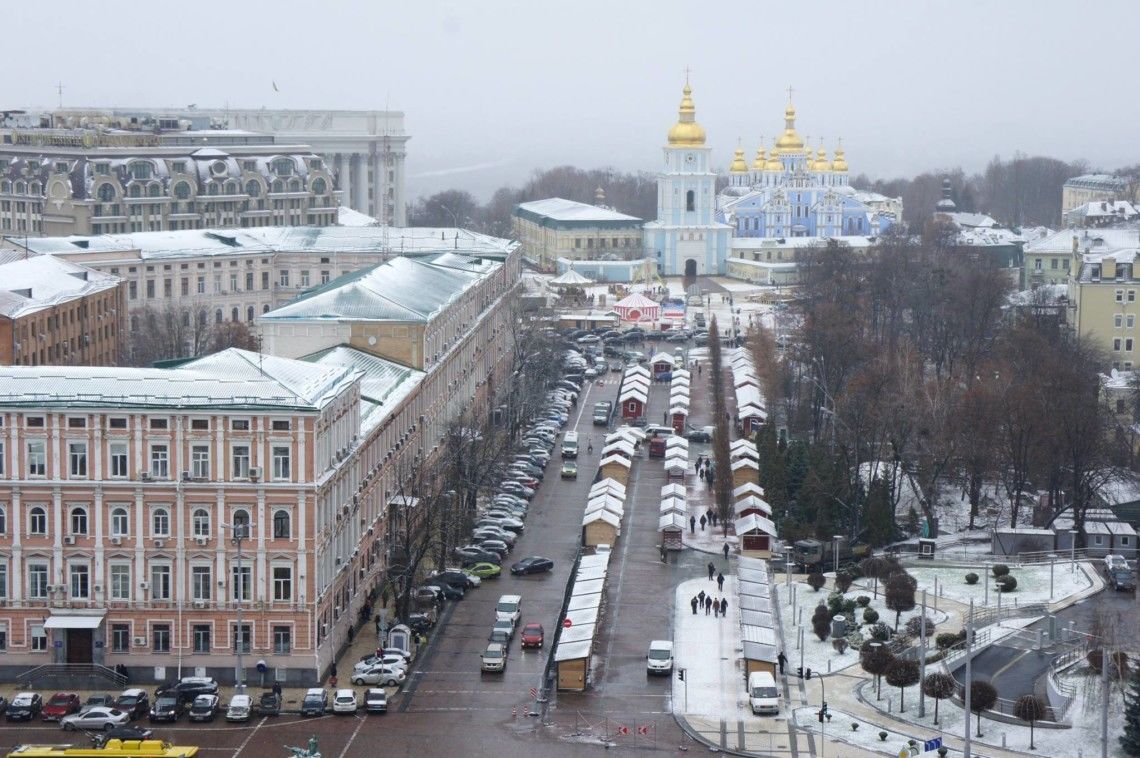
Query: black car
x=125, y=732
x=167, y=707
x=479, y=556
x=455, y=579
x=133, y=702
x=420, y=623
x=269, y=704
x=532, y=565
x=190, y=687
x=24, y=707
x=450, y=592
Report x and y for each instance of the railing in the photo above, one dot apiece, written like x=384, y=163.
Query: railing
x=30, y=677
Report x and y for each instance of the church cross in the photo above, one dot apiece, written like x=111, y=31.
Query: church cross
x=790, y=91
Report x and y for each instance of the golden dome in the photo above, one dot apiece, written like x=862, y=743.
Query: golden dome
x=840, y=162
x=739, y=165
x=790, y=141
x=687, y=132
x=774, y=163
x=758, y=164
x=821, y=162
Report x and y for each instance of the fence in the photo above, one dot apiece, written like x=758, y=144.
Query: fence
x=71, y=670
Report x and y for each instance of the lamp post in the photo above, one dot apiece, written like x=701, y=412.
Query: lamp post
x=966, y=695
x=837, y=538
x=788, y=565
x=240, y=534
x=1052, y=560
x=1072, y=550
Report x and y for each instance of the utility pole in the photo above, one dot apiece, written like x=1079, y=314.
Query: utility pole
x=966, y=697
x=1104, y=660
x=922, y=659
x=241, y=532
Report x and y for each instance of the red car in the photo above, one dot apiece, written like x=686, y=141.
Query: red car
x=533, y=635
x=61, y=704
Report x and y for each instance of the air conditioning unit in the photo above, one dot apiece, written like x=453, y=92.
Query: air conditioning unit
x=69, y=539
x=144, y=586
x=160, y=543
x=144, y=476
x=116, y=540
x=140, y=641
x=202, y=541
x=199, y=604
x=254, y=473
x=199, y=479
x=185, y=476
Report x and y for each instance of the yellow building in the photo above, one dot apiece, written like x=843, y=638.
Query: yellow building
x=1104, y=292
x=555, y=228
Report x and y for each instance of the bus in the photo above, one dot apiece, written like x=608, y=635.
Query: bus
x=113, y=749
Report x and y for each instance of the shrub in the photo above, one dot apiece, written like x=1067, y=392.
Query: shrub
x=870, y=615
x=1117, y=664
x=971, y=578
x=816, y=581
x=880, y=632
x=1007, y=583
x=1000, y=569
x=821, y=622
x=840, y=645
x=948, y=639
x=914, y=626
x=900, y=594
x=862, y=601
x=843, y=581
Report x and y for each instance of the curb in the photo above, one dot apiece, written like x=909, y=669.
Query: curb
x=713, y=747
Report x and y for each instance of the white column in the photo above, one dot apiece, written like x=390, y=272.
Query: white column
x=360, y=182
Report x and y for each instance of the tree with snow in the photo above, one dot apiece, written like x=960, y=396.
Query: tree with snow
x=1029, y=708
x=938, y=686
x=1130, y=740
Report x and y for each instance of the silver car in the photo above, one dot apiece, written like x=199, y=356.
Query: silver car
x=97, y=717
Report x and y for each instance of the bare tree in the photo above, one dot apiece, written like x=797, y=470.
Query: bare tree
x=721, y=450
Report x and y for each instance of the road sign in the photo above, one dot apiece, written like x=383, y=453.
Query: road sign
x=623, y=730
x=643, y=729
x=567, y=623
x=933, y=744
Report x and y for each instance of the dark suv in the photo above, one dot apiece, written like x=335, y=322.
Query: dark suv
x=189, y=687
x=167, y=707
x=133, y=702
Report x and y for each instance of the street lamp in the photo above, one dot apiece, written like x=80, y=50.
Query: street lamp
x=788, y=566
x=1052, y=560
x=837, y=538
x=240, y=534
x=1072, y=550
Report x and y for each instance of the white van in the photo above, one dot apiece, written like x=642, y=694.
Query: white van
x=763, y=695
x=659, y=660
x=509, y=607
x=570, y=445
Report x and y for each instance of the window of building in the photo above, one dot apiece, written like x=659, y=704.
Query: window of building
x=240, y=425
x=281, y=462
x=1117, y=320
x=1131, y=296
x=120, y=581
x=159, y=461
x=690, y=201
x=305, y=278
x=37, y=521
x=3, y=520
x=201, y=633
x=117, y=423
x=80, y=576
x=200, y=522
x=200, y=579
x=200, y=461
x=324, y=277
x=233, y=282
x=76, y=423
x=240, y=461
x=78, y=521
x=37, y=458
x=118, y=451
x=281, y=526
x=283, y=277
x=120, y=638
x=39, y=639
x=280, y=425
x=160, y=523
x=1116, y=344
x=34, y=422
x=3, y=582
x=249, y=281
x=160, y=581
x=37, y=581
x=241, y=582
x=160, y=638
x=1128, y=345
x=201, y=285
x=282, y=640
x=120, y=522
x=282, y=583
x=77, y=460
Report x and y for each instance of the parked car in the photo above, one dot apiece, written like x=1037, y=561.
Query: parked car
x=389, y=676
x=385, y=659
x=167, y=707
x=134, y=702
x=569, y=470
x=25, y=706
x=497, y=548
x=494, y=658
x=1122, y=580
x=375, y=701
x=188, y=688
x=314, y=702
x=61, y=704
x=344, y=701
x=532, y=565
x=703, y=434
x=505, y=625
x=269, y=704
x=94, y=701
x=1114, y=562
x=426, y=594
x=125, y=732
x=485, y=570
x=204, y=708
x=449, y=591
x=533, y=635
x=457, y=578
x=500, y=636
x=99, y=717
x=241, y=708
x=472, y=554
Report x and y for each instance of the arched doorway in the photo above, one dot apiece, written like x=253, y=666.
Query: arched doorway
x=690, y=268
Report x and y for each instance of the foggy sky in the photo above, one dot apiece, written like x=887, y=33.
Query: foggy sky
x=493, y=90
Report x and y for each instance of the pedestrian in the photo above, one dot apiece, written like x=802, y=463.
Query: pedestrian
x=709, y=514
x=701, y=473
x=703, y=520
x=720, y=582
x=708, y=605
x=712, y=570
x=724, y=606
x=692, y=524
x=782, y=659
x=701, y=598
x=693, y=603
x=700, y=369
x=277, y=688
x=664, y=417
x=726, y=551
x=351, y=633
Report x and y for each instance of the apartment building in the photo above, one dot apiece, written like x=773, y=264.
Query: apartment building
x=56, y=312
x=556, y=228
x=1103, y=291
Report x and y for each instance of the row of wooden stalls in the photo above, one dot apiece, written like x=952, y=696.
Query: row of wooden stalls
x=676, y=456
x=584, y=611
x=757, y=621
x=679, y=400
x=751, y=513
x=673, y=517
x=751, y=410
x=633, y=394
x=605, y=503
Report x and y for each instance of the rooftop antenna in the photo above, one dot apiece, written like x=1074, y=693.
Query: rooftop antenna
x=59, y=91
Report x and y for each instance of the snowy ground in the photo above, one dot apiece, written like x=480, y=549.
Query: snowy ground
x=1084, y=714
x=818, y=656
x=709, y=649
x=866, y=736
x=1032, y=583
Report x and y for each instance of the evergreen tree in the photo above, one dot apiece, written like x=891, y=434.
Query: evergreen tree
x=797, y=468
x=773, y=475
x=879, y=518
x=1130, y=740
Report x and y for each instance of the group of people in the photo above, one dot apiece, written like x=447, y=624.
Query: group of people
x=718, y=607
x=709, y=518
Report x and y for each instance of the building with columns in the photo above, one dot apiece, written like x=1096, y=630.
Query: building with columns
x=365, y=149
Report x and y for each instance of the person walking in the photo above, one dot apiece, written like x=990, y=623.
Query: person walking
x=703, y=520
x=712, y=570
x=700, y=369
x=693, y=603
x=692, y=524
x=701, y=598
x=781, y=659
x=709, y=513
x=708, y=604
x=720, y=582
x=701, y=473
x=277, y=688
x=726, y=551
x=723, y=606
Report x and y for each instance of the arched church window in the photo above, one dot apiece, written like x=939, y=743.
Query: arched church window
x=690, y=201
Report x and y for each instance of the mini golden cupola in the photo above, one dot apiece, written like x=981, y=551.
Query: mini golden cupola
x=758, y=164
x=840, y=162
x=821, y=162
x=739, y=165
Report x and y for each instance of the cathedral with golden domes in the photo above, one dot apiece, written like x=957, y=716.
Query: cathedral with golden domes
x=789, y=196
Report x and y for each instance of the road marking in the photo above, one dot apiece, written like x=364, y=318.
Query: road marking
x=1004, y=668
x=250, y=736
x=347, y=745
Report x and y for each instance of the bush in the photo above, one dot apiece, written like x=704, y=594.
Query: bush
x=862, y=601
x=840, y=645
x=1000, y=569
x=816, y=581
x=870, y=615
x=971, y=578
x=1117, y=664
x=880, y=632
x=821, y=622
x=1007, y=583
x=949, y=639
x=843, y=581
x=914, y=627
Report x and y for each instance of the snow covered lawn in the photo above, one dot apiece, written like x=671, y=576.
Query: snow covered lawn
x=1032, y=583
x=866, y=736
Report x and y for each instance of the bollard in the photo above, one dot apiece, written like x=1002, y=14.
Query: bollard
x=515, y=713
x=1003, y=740
x=829, y=665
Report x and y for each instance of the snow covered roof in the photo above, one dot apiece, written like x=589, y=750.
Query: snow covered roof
x=399, y=289
x=558, y=209
x=637, y=370
x=614, y=459
x=672, y=505
x=752, y=522
x=751, y=502
x=601, y=514
x=673, y=490
x=384, y=383
x=676, y=440
x=672, y=522
x=1105, y=182
x=583, y=616
x=570, y=279
x=231, y=379
x=622, y=446
x=1101, y=241
x=664, y=357
x=636, y=300
x=639, y=434
x=42, y=281
x=748, y=488
x=676, y=464
x=633, y=393
x=742, y=463
x=607, y=485
x=346, y=216
x=579, y=601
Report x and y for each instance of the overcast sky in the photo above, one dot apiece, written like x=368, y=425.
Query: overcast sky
x=493, y=90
